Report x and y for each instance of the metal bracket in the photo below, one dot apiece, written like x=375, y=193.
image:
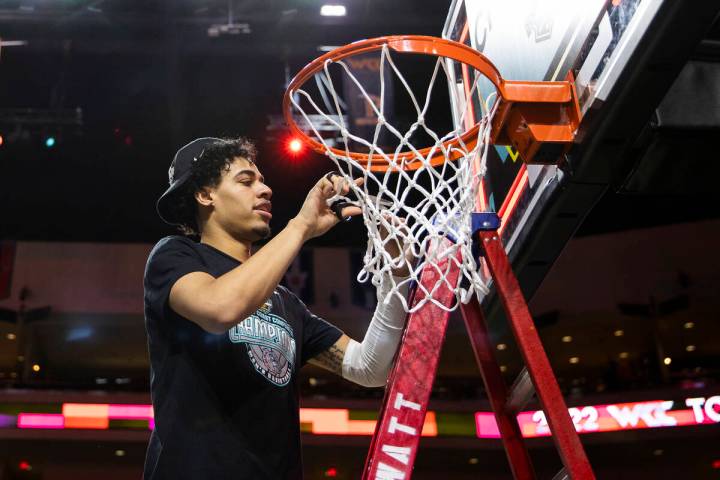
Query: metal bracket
x=482, y=221
x=485, y=221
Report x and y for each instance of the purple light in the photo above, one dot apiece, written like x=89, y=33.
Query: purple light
x=8, y=421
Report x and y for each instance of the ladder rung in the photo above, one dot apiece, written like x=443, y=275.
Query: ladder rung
x=561, y=475
x=521, y=392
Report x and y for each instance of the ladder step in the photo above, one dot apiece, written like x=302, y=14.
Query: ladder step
x=521, y=392
x=561, y=475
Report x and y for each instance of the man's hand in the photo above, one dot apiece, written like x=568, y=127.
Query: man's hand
x=315, y=216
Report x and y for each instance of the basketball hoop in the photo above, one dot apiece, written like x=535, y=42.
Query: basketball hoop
x=431, y=188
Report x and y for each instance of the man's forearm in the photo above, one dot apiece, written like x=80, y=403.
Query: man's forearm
x=369, y=363
x=243, y=289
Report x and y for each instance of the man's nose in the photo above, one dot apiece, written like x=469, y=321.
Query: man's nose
x=266, y=192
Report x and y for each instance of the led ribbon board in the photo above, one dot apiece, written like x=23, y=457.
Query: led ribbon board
x=616, y=417
x=339, y=421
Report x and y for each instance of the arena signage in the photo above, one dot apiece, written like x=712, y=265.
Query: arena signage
x=340, y=421
x=615, y=417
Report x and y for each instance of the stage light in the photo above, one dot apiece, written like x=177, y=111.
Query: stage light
x=333, y=11
x=50, y=142
x=501, y=346
x=294, y=146
x=667, y=360
x=36, y=368
x=574, y=360
x=24, y=465
x=331, y=472
x=567, y=339
x=2, y=140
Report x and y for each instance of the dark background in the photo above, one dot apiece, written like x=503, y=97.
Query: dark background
x=148, y=79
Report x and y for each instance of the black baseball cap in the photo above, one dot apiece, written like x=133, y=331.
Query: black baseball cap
x=179, y=173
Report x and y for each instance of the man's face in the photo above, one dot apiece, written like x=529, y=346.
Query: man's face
x=242, y=202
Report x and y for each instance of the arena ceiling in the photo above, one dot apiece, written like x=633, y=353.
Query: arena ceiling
x=148, y=76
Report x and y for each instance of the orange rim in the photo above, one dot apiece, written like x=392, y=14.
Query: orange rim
x=508, y=91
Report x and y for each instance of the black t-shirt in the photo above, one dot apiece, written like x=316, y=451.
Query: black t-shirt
x=226, y=406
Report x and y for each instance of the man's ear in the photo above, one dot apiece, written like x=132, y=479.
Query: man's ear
x=204, y=197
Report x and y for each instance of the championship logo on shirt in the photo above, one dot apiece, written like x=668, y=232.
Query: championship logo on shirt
x=270, y=344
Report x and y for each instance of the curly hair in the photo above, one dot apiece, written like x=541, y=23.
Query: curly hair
x=207, y=171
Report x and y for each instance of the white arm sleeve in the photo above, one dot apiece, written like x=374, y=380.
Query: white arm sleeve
x=369, y=363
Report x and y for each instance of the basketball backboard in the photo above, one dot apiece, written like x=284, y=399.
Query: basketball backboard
x=540, y=40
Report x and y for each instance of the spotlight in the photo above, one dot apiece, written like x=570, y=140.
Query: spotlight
x=50, y=142
x=333, y=11
x=294, y=146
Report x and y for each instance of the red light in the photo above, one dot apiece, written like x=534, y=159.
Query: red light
x=716, y=464
x=25, y=466
x=331, y=472
x=295, y=145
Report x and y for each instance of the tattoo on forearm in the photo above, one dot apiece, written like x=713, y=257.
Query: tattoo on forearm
x=331, y=359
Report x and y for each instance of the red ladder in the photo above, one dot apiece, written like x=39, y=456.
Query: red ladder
x=397, y=433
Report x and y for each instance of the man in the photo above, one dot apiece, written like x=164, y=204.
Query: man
x=226, y=341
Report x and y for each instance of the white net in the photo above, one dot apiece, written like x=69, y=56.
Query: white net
x=420, y=217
